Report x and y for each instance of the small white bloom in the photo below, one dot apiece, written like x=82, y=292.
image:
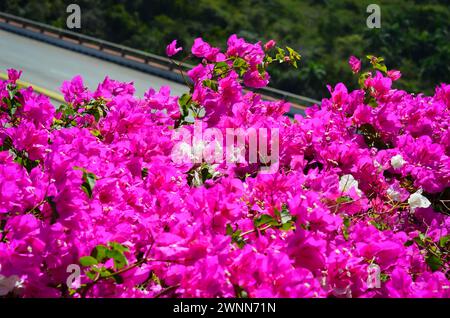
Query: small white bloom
x=397, y=161
x=394, y=195
x=185, y=153
x=347, y=182
x=417, y=200
x=213, y=152
x=7, y=284
x=197, y=151
x=378, y=166
x=181, y=153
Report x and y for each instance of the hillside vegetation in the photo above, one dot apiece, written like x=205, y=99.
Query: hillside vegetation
x=414, y=35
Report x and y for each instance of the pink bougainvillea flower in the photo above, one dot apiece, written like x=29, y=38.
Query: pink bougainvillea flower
x=172, y=48
x=13, y=75
x=394, y=74
x=353, y=209
x=200, y=48
x=255, y=79
x=270, y=44
x=355, y=64
x=379, y=83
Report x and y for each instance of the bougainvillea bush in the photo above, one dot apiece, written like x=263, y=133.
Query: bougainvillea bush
x=357, y=208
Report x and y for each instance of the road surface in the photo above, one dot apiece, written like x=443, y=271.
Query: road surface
x=48, y=66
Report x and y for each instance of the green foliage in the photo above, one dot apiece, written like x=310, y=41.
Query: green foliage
x=69, y=113
x=88, y=181
x=240, y=292
x=345, y=228
x=144, y=172
x=236, y=236
x=12, y=102
x=377, y=63
x=88, y=261
x=198, y=174
x=282, y=220
x=20, y=156
x=372, y=137
x=95, y=263
x=96, y=108
x=189, y=110
x=437, y=254
x=344, y=199
x=240, y=66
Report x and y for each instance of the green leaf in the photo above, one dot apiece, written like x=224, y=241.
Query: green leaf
x=444, y=240
x=184, y=101
x=88, y=261
x=118, y=279
x=211, y=84
x=120, y=261
x=287, y=226
x=99, y=253
x=198, y=175
x=381, y=67
x=88, y=181
x=96, y=133
x=105, y=272
x=221, y=69
x=362, y=79
x=144, y=173
x=280, y=55
x=240, y=242
x=91, y=274
x=269, y=59
x=119, y=247
x=434, y=262
x=384, y=277
x=229, y=230
x=374, y=60
x=55, y=215
x=277, y=213
x=343, y=199
x=408, y=243
x=419, y=241
x=240, y=292
x=235, y=236
x=240, y=65
x=263, y=220
x=372, y=137
x=293, y=55
x=222, y=65
x=347, y=222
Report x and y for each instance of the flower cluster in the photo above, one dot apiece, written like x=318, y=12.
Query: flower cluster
x=357, y=208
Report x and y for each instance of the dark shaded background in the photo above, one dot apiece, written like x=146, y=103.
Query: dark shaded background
x=414, y=35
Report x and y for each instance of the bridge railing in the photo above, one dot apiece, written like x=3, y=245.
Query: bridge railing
x=133, y=54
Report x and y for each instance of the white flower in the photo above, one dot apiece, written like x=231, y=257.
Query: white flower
x=197, y=151
x=182, y=153
x=397, y=161
x=7, y=284
x=347, y=182
x=378, y=166
x=417, y=200
x=185, y=153
x=394, y=195
x=213, y=152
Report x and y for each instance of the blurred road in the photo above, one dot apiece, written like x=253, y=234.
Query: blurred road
x=48, y=66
